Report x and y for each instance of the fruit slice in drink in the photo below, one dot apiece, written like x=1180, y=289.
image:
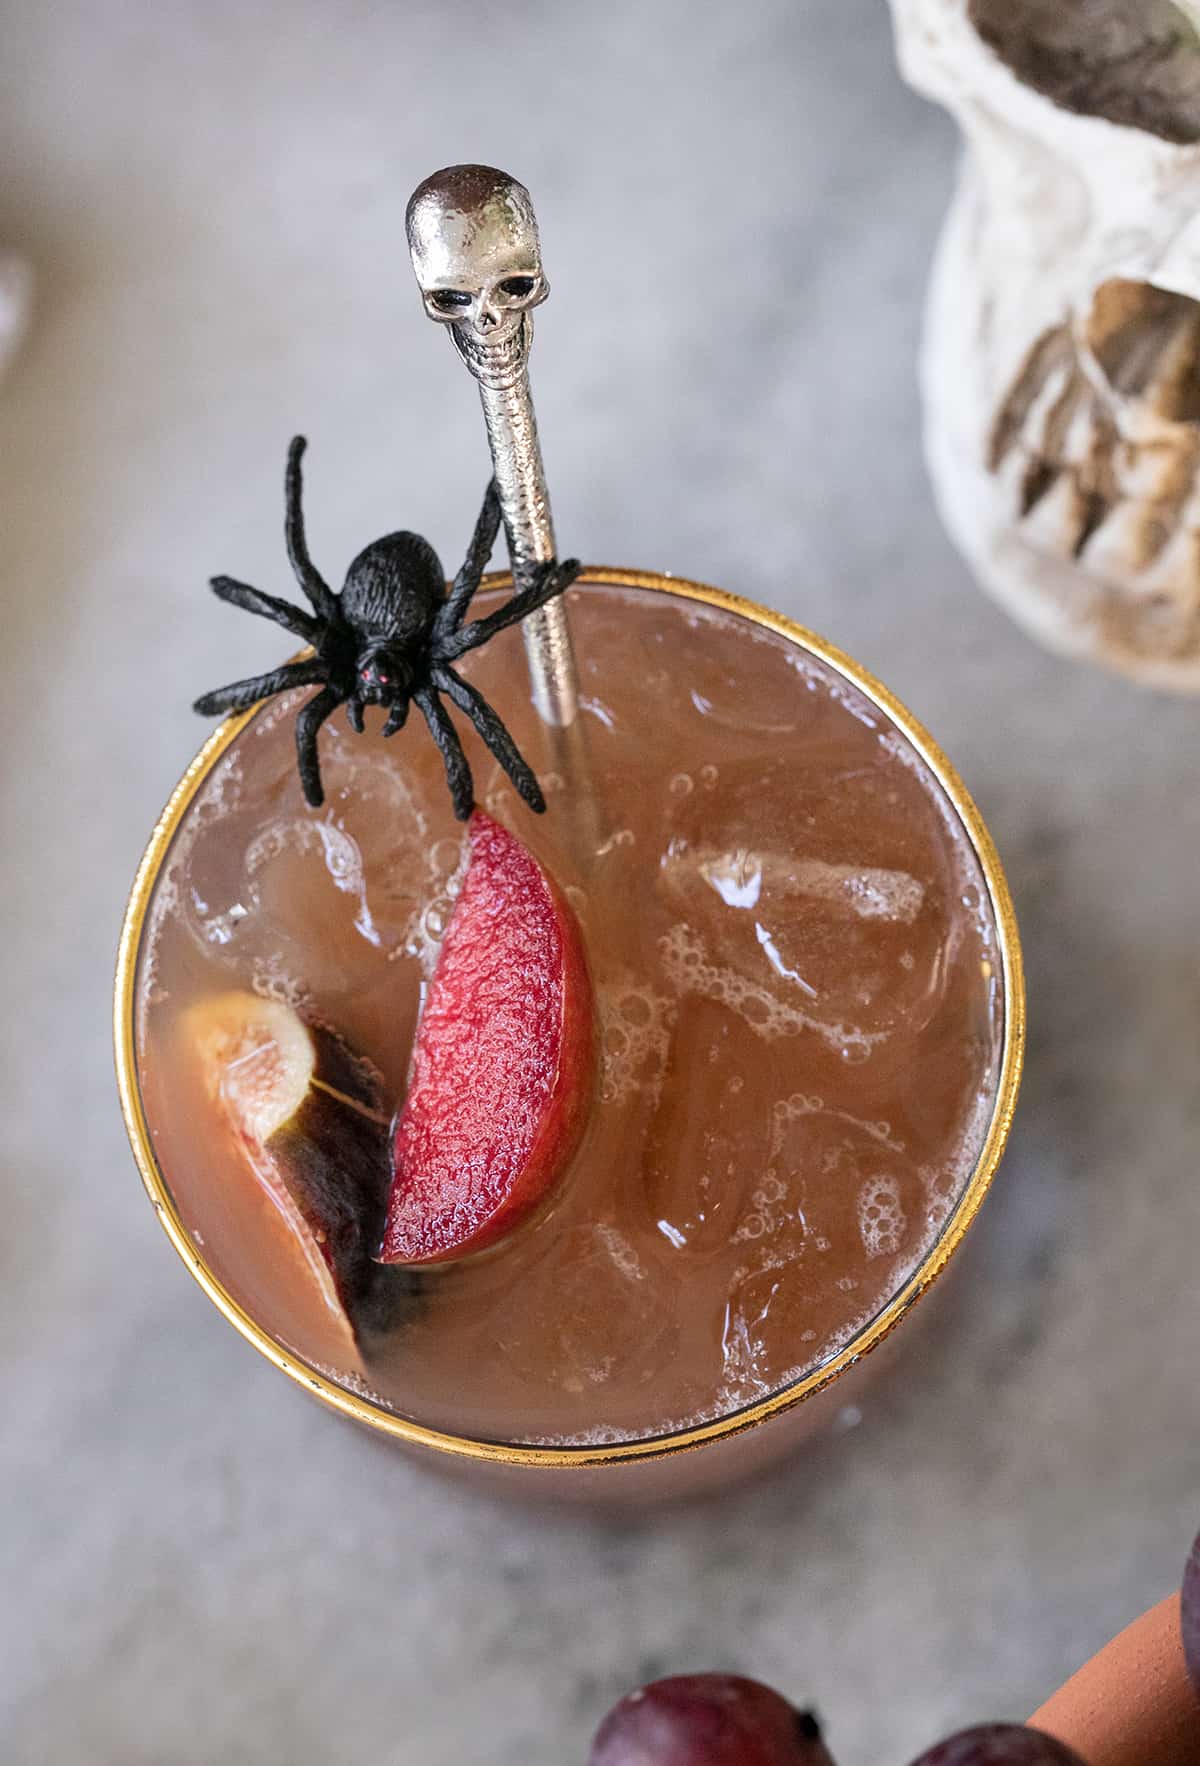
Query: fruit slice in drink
x=310, y=1137
x=502, y=1075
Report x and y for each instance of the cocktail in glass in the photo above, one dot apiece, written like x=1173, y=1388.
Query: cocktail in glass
x=809, y=1019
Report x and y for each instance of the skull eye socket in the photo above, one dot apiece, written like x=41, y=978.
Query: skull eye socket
x=1058, y=51
x=517, y=286
x=448, y=300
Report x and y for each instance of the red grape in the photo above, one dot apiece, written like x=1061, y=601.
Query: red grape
x=999, y=1744
x=1190, y=1614
x=708, y=1720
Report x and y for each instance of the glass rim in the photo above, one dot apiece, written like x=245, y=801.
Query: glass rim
x=377, y=1416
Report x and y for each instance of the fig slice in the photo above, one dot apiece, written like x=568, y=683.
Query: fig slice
x=309, y=1120
x=502, y=1071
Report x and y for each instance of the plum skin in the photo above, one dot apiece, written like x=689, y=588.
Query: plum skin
x=717, y=1719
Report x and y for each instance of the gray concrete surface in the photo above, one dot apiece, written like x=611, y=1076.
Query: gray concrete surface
x=738, y=206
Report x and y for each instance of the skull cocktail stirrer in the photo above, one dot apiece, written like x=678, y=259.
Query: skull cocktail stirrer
x=474, y=244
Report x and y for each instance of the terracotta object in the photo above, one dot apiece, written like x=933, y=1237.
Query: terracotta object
x=1133, y=1704
x=1061, y=356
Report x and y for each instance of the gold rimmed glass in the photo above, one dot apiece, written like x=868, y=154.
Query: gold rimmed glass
x=687, y=1458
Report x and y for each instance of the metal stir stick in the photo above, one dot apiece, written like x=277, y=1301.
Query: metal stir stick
x=475, y=250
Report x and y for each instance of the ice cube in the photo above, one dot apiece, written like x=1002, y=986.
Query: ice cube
x=588, y=1311
x=371, y=799
x=304, y=903
x=838, y=911
x=706, y=1147
x=838, y=1213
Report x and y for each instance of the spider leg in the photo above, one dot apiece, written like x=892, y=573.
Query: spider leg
x=550, y=581
x=354, y=715
x=458, y=771
x=250, y=600
x=397, y=716
x=307, y=574
x=493, y=732
x=308, y=721
x=241, y=694
x=450, y=614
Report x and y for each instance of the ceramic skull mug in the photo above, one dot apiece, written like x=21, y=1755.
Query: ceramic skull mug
x=1061, y=358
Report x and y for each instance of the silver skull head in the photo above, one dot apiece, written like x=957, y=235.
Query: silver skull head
x=474, y=244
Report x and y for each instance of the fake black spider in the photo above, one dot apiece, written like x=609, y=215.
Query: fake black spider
x=391, y=637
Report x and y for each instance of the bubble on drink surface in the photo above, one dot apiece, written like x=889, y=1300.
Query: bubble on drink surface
x=271, y=979
x=601, y=1435
x=944, y=1183
x=881, y=1218
x=623, y=1255
x=635, y=1028
x=619, y=840
x=848, y=696
x=445, y=857
x=164, y=908
x=689, y=969
x=277, y=711
x=353, y=1382
x=436, y=918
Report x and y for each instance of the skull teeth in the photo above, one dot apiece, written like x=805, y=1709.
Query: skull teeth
x=1095, y=471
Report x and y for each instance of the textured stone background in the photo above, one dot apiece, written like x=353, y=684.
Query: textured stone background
x=738, y=206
